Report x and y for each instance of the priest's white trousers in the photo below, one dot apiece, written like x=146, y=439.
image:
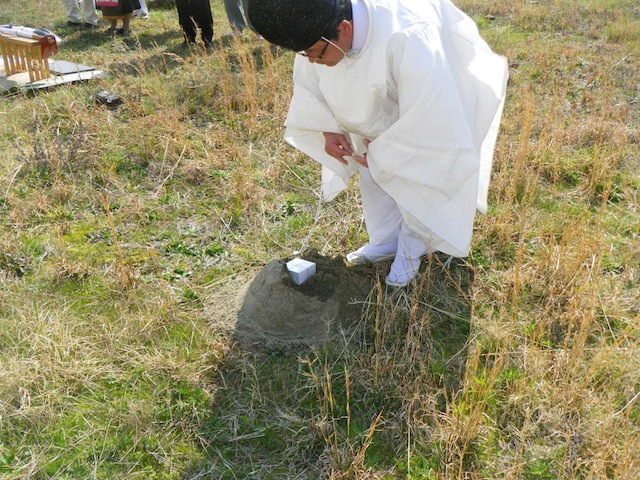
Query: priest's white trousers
x=72, y=9
x=385, y=224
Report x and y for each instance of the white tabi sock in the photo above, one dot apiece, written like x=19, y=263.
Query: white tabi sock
x=372, y=253
x=411, y=247
x=403, y=270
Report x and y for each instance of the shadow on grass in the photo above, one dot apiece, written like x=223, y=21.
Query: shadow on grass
x=344, y=405
x=81, y=40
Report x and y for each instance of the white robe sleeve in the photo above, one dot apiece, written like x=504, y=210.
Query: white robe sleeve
x=309, y=116
x=430, y=159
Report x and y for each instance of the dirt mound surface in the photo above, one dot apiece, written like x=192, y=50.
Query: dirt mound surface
x=265, y=307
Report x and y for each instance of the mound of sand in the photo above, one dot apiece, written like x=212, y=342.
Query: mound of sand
x=267, y=308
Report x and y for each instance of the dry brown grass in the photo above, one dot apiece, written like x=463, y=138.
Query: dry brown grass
x=520, y=362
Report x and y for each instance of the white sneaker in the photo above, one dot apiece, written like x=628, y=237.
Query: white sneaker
x=403, y=271
x=372, y=254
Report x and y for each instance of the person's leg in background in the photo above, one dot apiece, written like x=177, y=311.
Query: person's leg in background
x=201, y=12
x=245, y=9
x=126, y=22
x=90, y=13
x=72, y=10
x=185, y=20
x=113, y=26
x=126, y=8
x=235, y=17
x=238, y=18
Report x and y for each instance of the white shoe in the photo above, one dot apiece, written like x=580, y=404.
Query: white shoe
x=372, y=254
x=403, y=271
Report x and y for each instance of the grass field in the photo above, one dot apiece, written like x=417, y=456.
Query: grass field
x=117, y=227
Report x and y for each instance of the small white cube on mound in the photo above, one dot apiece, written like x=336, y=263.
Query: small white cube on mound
x=301, y=270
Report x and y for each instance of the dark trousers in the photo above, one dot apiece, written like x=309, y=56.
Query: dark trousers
x=195, y=13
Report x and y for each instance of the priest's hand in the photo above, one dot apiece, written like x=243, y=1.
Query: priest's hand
x=337, y=146
x=362, y=159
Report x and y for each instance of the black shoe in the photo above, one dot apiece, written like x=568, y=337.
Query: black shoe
x=89, y=26
x=73, y=24
x=121, y=32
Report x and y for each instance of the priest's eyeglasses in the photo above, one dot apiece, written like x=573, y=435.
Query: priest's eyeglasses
x=327, y=42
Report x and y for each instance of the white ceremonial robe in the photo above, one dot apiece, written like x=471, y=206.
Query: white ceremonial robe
x=428, y=92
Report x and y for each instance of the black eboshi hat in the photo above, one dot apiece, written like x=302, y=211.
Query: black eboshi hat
x=292, y=24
